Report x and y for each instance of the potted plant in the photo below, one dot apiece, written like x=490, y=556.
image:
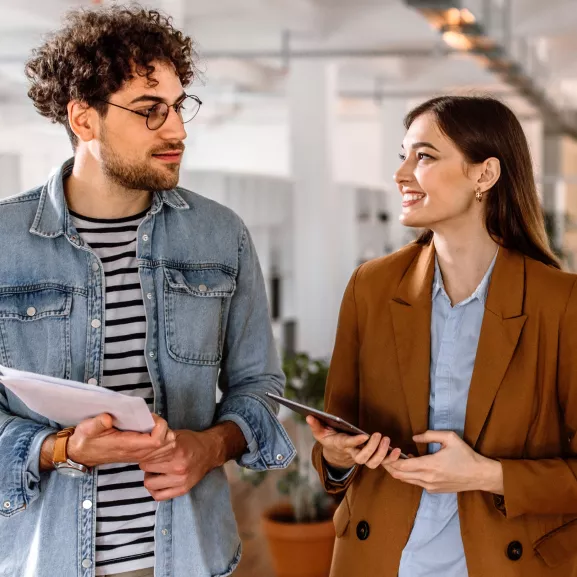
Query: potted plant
x=299, y=529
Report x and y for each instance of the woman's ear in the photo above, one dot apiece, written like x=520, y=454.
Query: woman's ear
x=491, y=172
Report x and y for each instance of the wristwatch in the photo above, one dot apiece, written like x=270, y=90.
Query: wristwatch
x=60, y=460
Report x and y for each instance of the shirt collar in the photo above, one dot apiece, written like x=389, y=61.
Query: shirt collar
x=52, y=217
x=480, y=292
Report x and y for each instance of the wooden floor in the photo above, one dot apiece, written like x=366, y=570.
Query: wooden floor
x=248, y=503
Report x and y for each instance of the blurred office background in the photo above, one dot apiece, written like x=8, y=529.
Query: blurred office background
x=302, y=123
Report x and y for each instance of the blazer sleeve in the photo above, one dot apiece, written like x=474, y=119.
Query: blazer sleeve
x=342, y=390
x=549, y=486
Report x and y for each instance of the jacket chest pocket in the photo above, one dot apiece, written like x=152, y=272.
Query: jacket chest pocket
x=196, y=302
x=35, y=330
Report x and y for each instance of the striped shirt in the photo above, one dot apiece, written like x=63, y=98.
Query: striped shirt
x=125, y=512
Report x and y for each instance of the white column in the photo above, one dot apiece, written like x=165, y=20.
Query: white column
x=393, y=132
x=10, y=171
x=312, y=97
x=553, y=187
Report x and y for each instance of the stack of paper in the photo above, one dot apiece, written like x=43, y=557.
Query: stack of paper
x=69, y=402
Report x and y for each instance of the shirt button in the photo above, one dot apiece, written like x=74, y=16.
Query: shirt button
x=149, y=296
x=87, y=504
x=279, y=457
x=164, y=532
x=151, y=354
x=95, y=266
x=6, y=504
x=86, y=563
x=30, y=311
x=144, y=237
x=95, y=324
x=202, y=288
x=92, y=382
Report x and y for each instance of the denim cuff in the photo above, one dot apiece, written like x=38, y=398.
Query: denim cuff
x=20, y=445
x=269, y=446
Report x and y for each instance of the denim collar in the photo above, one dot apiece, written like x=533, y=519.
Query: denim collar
x=53, y=219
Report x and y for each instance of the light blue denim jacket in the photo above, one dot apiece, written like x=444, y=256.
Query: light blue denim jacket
x=51, y=289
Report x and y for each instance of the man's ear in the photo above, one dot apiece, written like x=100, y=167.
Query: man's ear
x=83, y=120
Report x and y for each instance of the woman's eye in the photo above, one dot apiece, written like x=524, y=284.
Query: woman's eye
x=421, y=155
x=402, y=157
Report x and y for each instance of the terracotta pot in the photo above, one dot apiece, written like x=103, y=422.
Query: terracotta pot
x=298, y=549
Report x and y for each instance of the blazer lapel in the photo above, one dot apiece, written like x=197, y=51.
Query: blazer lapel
x=411, y=314
x=500, y=331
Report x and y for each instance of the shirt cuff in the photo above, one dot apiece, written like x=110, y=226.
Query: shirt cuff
x=337, y=475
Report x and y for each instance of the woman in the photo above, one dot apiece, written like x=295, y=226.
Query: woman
x=461, y=349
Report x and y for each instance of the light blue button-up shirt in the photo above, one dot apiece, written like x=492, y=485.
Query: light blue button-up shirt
x=435, y=547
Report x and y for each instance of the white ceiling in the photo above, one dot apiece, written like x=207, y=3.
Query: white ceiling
x=230, y=28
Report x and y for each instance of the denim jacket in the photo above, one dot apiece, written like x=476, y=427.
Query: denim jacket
x=51, y=291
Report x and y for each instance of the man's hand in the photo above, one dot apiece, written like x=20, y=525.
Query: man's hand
x=191, y=457
x=96, y=442
x=454, y=468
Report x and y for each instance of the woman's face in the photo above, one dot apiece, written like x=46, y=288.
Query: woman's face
x=437, y=185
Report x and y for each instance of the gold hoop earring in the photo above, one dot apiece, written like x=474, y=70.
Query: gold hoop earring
x=479, y=195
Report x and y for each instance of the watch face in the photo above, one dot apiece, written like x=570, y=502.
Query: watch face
x=65, y=469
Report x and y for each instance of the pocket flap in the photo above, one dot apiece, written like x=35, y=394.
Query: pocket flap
x=209, y=282
x=558, y=546
x=30, y=303
x=342, y=518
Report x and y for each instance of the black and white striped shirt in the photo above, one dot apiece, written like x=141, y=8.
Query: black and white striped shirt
x=125, y=513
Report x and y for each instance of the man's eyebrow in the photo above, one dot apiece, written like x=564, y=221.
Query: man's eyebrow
x=154, y=98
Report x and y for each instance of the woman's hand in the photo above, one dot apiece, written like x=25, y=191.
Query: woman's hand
x=454, y=468
x=345, y=451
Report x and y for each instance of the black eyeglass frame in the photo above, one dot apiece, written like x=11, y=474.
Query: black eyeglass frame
x=176, y=107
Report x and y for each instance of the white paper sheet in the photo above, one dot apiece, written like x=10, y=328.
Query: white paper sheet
x=69, y=402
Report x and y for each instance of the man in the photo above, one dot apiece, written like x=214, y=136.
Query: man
x=113, y=276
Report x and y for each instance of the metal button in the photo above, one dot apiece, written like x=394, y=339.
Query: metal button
x=6, y=504
x=149, y=296
x=86, y=563
x=151, y=354
x=96, y=324
x=30, y=311
x=202, y=288
x=87, y=504
x=95, y=266
x=144, y=237
x=92, y=382
x=279, y=457
x=164, y=532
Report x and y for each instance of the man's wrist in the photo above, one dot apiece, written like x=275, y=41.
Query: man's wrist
x=47, y=453
x=228, y=442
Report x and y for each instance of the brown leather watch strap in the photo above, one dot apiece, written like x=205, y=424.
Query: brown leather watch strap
x=60, y=452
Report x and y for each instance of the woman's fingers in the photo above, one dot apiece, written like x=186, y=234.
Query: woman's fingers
x=367, y=451
x=392, y=457
x=380, y=454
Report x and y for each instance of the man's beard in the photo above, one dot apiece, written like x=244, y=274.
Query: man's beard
x=139, y=175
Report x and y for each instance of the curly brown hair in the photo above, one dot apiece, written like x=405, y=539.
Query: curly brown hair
x=97, y=51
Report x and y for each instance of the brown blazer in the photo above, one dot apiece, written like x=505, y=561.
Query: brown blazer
x=522, y=410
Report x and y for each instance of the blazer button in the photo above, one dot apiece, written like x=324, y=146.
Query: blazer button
x=363, y=530
x=514, y=550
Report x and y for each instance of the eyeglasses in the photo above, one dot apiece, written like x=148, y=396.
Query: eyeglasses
x=157, y=115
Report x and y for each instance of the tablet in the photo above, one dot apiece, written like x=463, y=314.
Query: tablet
x=332, y=421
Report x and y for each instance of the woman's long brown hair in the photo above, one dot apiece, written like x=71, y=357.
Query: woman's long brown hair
x=482, y=128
